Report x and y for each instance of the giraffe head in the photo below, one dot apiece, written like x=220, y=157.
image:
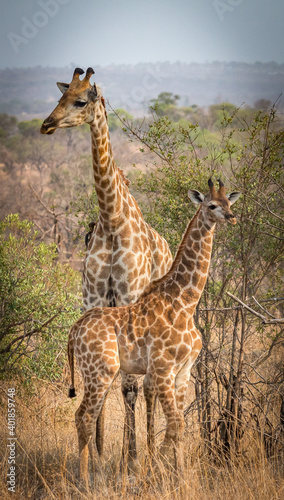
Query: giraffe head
x=216, y=205
x=76, y=106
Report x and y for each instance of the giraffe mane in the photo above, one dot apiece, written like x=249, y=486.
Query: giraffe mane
x=124, y=179
x=155, y=284
x=104, y=105
x=120, y=171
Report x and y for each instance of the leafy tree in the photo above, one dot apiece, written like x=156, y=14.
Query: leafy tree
x=165, y=104
x=221, y=112
x=246, y=261
x=38, y=298
x=8, y=125
x=30, y=127
x=86, y=210
x=166, y=98
x=114, y=122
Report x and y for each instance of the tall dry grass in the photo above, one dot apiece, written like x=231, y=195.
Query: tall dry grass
x=47, y=456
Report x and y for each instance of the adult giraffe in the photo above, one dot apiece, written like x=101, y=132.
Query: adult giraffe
x=124, y=253
x=155, y=336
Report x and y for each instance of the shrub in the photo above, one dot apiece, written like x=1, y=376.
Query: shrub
x=37, y=300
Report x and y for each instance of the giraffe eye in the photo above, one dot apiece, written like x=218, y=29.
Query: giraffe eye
x=212, y=207
x=80, y=104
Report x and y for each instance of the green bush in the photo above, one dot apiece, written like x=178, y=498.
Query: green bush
x=38, y=302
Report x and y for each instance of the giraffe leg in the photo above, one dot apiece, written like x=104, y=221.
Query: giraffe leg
x=150, y=397
x=100, y=425
x=129, y=387
x=181, y=383
x=82, y=440
x=171, y=447
x=86, y=417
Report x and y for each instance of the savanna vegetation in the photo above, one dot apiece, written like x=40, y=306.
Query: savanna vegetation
x=234, y=442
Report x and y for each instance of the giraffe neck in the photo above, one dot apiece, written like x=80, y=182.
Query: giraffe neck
x=109, y=183
x=188, y=274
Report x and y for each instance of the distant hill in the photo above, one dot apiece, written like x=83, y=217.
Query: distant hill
x=32, y=91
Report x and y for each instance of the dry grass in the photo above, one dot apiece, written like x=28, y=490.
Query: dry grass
x=47, y=457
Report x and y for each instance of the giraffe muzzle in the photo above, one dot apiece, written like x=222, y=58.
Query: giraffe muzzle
x=231, y=219
x=48, y=127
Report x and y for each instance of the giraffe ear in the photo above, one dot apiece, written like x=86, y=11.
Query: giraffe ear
x=62, y=86
x=232, y=197
x=93, y=93
x=195, y=196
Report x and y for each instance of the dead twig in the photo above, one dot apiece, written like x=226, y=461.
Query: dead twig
x=265, y=321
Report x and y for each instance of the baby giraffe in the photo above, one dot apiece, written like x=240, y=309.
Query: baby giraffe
x=155, y=336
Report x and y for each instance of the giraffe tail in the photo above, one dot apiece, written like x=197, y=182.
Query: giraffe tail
x=72, y=393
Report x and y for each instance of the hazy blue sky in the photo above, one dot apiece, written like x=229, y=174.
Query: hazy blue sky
x=90, y=32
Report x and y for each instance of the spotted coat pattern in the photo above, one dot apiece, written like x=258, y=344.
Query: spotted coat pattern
x=155, y=336
x=123, y=253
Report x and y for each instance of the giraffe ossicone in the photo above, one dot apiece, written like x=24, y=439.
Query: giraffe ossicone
x=155, y=336
x=124, y=254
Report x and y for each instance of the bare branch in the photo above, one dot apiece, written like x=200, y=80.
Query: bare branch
x=265, y=321
x=261, y=307
x=29, y=334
